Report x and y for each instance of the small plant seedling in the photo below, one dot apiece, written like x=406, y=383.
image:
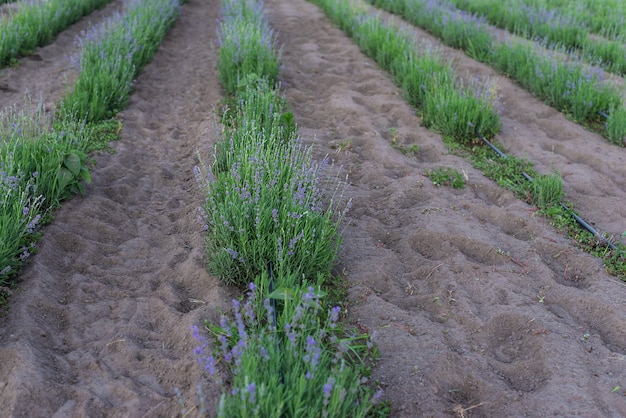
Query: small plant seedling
x=446, y=177
x=344, y=145
x=409, y=151
x=541, y=297
x=73, y=172
x=394, y=136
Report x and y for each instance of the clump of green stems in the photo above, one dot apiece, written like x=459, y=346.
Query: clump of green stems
x=36, y=23
x=462, y=110
x=266, y=198
x=112, y=55
x=289, y=356
x=570, y=87
x=446, y=176
x=41, y=163
x=247, y=46
x=547, y=190
x=272, y=215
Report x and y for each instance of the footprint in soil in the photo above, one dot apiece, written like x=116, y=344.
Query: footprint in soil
x=517, y=357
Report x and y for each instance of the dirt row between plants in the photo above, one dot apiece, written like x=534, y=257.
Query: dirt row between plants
x=472, y=300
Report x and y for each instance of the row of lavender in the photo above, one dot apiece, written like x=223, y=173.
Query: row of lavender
x=36, y=23
x=604, y=18
x=458, y=109
x=462, y=116
x=272, y=216
x=569, y=86
x=43, y=160
x=566, y=29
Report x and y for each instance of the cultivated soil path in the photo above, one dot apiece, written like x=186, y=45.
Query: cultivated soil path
x=478, y=307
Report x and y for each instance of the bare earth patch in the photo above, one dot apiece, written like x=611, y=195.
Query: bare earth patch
x=478, y=307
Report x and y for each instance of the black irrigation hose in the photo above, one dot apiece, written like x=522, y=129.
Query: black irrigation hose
x=606, y=115
x=503, y=155
x=578, y=219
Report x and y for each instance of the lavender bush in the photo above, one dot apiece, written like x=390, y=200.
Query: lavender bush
x=40, y=164
x=274, y=204
x=296, y=362
x=113, y=53
x=567, y=86
x=247, y=45
x=36, y=23
x=616, y=126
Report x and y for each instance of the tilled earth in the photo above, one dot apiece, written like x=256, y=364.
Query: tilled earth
x=477, y=305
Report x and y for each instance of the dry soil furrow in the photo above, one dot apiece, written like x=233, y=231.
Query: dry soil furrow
x=100, y=326
x=471, y=299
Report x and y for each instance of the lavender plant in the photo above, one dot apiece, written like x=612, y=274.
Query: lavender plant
x=113, y=53
x=567, y=86
x=38, y=168
x=247, y=45
x=256, y=108
x=272, y=205
x=616, y=126
x=36, y=23
x=462, y=112
x=287, y=359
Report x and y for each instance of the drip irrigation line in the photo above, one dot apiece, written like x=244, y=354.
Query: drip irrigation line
x=578, y=219
x=606, y=115
x=503, y=155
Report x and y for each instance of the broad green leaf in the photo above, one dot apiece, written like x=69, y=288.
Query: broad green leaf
x=65, y=177
x=72, y=162
x=84, y=172
x=281, y=294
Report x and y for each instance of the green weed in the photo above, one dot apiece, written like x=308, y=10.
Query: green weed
x=547, y=190
x=446, y=176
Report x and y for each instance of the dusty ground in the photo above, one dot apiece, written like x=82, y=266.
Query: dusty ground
x=476, y=305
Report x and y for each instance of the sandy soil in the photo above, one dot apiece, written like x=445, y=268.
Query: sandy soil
x=478, y=307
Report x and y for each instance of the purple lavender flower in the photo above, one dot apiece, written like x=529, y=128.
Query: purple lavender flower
x=312, y=353
x=25, y=254
x=334, y=316
x=264, y=354
x=252, y=392
x=328, y=389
